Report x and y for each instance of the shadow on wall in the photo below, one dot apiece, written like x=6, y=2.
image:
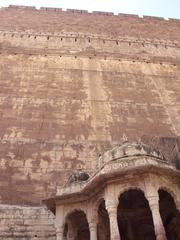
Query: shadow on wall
x=169, y=146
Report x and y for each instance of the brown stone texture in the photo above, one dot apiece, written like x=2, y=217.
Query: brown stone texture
x=26, y=223
x=52, y=21
x=73, y=85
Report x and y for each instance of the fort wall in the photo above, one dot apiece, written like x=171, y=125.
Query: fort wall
x=74, y=84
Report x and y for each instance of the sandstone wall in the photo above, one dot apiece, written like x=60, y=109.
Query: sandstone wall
x=25, y=223
x=73, y=85
x=50, y=20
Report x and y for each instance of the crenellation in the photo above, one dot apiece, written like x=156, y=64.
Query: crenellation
x=103, y=13
x=76, y=11
x=128, y=15
x=51, y=9
x=22, y=7
x=80, y=11
x=154, y=18
x=177, y=21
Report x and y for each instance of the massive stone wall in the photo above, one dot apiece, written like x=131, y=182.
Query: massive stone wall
x=74, y=84
x=50, y=20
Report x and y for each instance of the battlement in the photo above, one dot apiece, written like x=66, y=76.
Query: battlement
x=57, y=21
x=103, y=13
x=80, y=11
x=51, y=9
x=76, y=11
x=22, y=7
x=154, y=18
x=128, y=15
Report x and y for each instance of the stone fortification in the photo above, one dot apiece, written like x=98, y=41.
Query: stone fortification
x=74, y=84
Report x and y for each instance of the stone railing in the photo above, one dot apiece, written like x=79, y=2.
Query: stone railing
x=114, y=167
x=128, y=149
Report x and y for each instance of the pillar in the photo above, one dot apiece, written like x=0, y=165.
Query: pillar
x=59, y=222
x=112, y=201
x=59, y=233
x=158, y=224
x=114, y=230
x=93, y=231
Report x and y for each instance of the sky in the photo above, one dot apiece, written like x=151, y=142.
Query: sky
x=160, y=8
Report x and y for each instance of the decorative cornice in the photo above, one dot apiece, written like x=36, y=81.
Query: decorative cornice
x=113, y=169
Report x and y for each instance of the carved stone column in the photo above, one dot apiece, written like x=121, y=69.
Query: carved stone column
x=93, y=231
x=59, y=233
x=114, y=230
x=59, y=222
x=158, y=224
x=111, y=202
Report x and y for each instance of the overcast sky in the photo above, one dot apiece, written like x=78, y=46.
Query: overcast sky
x=162, y=8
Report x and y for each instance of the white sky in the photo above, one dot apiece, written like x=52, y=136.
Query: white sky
x=162, y=8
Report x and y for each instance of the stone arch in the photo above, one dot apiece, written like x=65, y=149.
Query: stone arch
x=172, y=193
x=76, y=224
x=98, y=202
x=169, y=213
x=128, y=188
x=69, y=211
x=134, y=215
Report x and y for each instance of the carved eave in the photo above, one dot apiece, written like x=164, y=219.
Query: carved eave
x=111, y=172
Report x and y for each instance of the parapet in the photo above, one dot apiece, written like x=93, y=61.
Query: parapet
x=79, y=11
x=130, y=149
x=22, y=7
x=76, y=11
x=174, y=19
x=103, y=13
x=128, y=15
x=153, y=18
x=51, y=9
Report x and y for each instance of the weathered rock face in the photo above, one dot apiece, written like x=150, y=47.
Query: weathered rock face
x=73, y=85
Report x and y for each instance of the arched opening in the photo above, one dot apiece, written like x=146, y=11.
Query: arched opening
x=134, y=217
x=103, y=230
x=170, y=215
x=76, y=226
